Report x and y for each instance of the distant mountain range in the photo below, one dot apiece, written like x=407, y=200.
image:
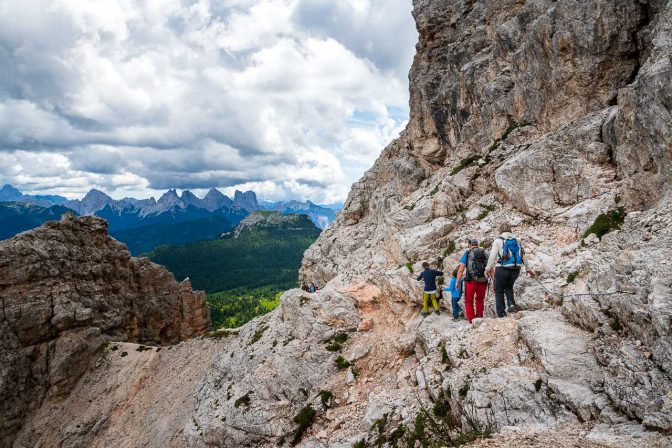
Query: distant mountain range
x=144, y=224
x=17, y=217
x=11, y=194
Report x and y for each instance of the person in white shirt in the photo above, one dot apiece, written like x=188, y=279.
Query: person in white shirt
x=504, y=263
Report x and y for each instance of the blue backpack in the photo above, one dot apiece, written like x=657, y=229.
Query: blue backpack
x=512, y=253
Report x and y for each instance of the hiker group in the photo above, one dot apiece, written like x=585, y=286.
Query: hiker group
x=309, y=287
x=477, y=271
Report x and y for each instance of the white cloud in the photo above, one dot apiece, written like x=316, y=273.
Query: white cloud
x=292, y=97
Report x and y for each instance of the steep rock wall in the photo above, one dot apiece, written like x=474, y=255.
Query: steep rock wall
x=65, y=289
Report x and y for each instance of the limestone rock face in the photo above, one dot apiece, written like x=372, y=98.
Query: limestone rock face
x=65, y=289
x=543, y=115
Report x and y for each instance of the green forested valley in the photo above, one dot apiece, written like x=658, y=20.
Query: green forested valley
x=243, y=276
x=146, y=238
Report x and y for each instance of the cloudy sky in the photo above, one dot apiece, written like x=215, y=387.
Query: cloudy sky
x=290, y=98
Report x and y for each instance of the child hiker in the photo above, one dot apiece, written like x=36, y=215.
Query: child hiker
x=455, y=290
x=429, y=276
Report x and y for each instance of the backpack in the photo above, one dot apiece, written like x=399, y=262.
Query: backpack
x=477, y=260
x=512, y=253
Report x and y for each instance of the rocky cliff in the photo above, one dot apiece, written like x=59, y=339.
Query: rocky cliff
x=552, y=116
x=67, y=289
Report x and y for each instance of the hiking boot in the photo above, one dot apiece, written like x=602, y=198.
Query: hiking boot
x=512, y=309
x=455, y=320
x=437, y=312
x=423, y=314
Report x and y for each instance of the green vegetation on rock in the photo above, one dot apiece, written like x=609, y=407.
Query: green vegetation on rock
x=342, y=363
x=607, y=222
x=303, y=419
x=243, y=401
x=450, y=249
x=466, y=163
x=233, y=308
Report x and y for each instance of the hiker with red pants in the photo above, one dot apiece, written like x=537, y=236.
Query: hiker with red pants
x=472, y=269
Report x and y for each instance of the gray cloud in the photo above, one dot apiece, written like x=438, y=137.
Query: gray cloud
x=129, y=97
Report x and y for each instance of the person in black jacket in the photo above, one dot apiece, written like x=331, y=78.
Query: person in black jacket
x=429, y=276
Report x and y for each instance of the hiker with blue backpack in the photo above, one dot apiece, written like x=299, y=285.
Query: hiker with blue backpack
x=506, y=259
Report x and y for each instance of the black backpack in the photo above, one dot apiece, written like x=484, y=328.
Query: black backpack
x=477, y=260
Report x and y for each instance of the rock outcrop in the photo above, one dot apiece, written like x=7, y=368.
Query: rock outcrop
x=267, y=220
x=67, y=288
x=551, y=116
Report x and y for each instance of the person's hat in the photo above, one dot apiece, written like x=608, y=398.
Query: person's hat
x=473, y=242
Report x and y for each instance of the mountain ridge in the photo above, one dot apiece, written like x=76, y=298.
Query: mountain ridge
x=97, y=202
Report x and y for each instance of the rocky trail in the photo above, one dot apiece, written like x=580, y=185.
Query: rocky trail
x=551, y=116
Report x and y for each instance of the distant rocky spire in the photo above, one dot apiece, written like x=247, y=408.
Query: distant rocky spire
x=247, y=201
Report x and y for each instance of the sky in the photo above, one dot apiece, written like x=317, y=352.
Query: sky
x=293, y=99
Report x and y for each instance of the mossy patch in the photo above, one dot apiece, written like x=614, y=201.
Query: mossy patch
x=537, y=385
x=513, y=126
x=325, y=397
x=342, y=363
x=333, y=347
x=217, y=334
x=303, y=419
x=341, y=337
x=124, y=354
x=434, y=191
x=445, y=359
x=466, y=163
x=607, y=222
x=463, y=390
x=572, y=276
x=409, y=266
x=440, y=426
x=337, y=342
x=244, y=400
x=258, y=334
x=615, y=324
x=143, y=348
x=450, y=249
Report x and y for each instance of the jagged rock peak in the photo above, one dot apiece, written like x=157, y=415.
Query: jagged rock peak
x=246, y=201
x=67, y=287
x=8, y=193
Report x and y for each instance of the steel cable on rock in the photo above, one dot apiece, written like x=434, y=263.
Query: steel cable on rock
x=562, y=296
